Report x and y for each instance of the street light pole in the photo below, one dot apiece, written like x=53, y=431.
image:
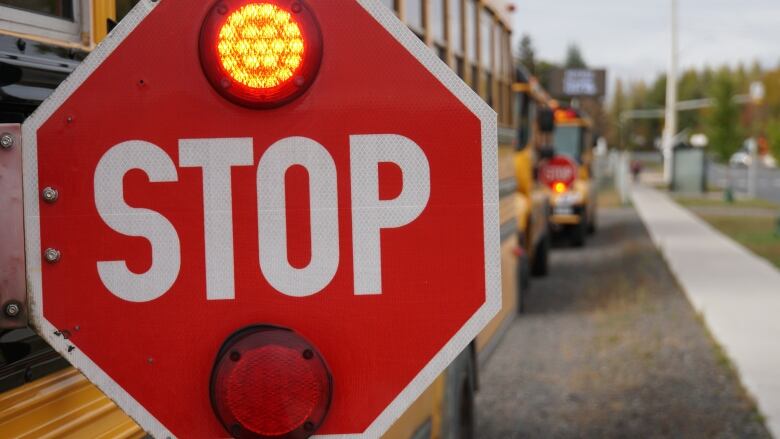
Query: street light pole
x=670, y=125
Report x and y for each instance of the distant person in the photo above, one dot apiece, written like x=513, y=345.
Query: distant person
x=636, y=169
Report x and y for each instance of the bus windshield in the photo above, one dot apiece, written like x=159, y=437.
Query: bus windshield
x=568, y=141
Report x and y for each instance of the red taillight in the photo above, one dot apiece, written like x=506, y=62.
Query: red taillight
x=269, y=382
x=260, y=54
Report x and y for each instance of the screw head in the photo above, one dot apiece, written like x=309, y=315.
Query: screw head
x=6, y=140
x=52, y=255
x=12, y=309
x=50, y=194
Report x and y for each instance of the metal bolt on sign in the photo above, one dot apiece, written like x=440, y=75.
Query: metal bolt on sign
x=52, y=255
x=6, y=140
x=12, y=309
x=49, y=194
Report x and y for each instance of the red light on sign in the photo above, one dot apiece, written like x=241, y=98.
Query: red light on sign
x=560, y=187
x=260, y=54
x=269, y=382
x=566, y=114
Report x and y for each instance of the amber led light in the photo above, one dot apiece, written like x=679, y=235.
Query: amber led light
x=260, y=53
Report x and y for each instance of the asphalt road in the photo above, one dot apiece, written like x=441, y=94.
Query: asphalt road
x=610, y=347
x=767, y=181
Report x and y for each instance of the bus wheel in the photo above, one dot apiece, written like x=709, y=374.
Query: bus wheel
x=578, y=233
x=592, y=225
x=466, y=412
x=541, y=265
x=459, y=421
x=523, y=282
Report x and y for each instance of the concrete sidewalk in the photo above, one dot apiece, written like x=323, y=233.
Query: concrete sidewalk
x=737, y=292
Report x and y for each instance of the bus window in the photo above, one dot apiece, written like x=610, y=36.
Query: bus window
x=526, y=110
x=485, y=48
x=438, y=23
x=56, y=19
x=414, y=15
x=123, y=7
x=55, y=8
x=568, y=141
x=486, y=53
x=471, y=41
x=521, y=110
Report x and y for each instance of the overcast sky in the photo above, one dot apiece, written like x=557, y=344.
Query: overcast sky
x=631, y=37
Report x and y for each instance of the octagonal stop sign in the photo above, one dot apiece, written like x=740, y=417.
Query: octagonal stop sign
x=198, y=211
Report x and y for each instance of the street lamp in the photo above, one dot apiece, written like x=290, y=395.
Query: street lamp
x=757, y=93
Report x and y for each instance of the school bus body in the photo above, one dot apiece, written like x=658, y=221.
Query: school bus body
x=532, y=200
x=41, y=396
x=574, y=210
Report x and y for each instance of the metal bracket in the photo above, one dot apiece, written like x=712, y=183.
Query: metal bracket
x=13, y=285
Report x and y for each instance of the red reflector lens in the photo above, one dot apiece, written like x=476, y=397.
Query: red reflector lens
x=260, y=53
x=268, y=382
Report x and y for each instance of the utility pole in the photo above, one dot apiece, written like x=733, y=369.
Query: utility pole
x=670, y=125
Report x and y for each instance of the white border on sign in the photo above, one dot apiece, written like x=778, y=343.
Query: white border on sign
x=426, y=376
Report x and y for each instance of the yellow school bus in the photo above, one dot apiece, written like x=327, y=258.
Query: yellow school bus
x=42, y=41
x=533, y=122
x=574, y=206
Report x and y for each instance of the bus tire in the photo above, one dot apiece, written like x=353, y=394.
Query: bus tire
x=466, y=416
x=541, y=263
x=523, y=282
x=579, y=232
x=592, y=225
x=459, y=420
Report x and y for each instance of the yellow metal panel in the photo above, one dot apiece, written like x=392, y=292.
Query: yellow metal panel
x=565, y=219
x=523, y=162
x=522, y=209
x=62, y=405
x=428, y=406
x=508, y=292
x=102, y=11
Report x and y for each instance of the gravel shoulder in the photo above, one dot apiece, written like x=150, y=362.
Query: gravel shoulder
x=610, y=347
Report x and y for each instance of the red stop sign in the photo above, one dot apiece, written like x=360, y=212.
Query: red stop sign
x=559, y=169
x=362, y=214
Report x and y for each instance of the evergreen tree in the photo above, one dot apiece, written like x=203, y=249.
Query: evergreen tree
x=722, y=121
x=616, y=108
x=527, y=54
x=574, y=59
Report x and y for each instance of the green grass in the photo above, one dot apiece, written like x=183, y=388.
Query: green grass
x=759, y=234
x=720, y=202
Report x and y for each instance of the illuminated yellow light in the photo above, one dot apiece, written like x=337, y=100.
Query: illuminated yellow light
x=559, y=187
x=260, y=46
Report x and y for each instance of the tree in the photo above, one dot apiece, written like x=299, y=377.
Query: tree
x=574, y=59
x=722, y=121
x=527, y=54
x=543, y=71
x=690, y=87
x=616, y=108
